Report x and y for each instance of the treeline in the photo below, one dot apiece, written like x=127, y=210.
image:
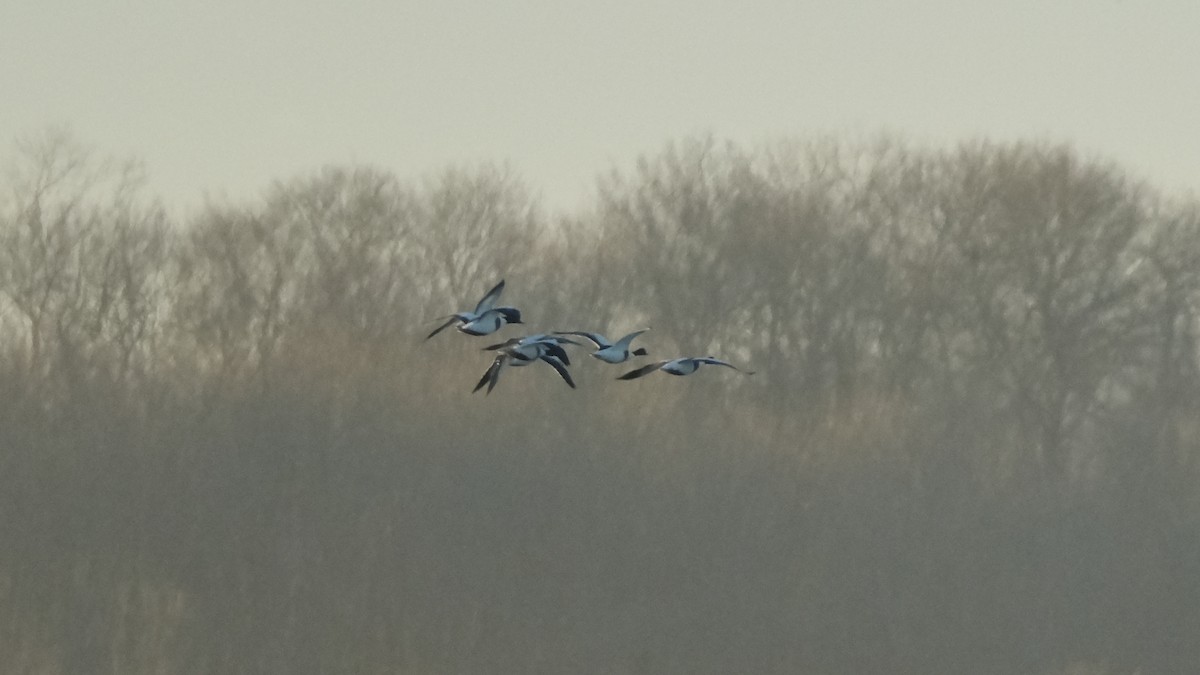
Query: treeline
x=971, y=445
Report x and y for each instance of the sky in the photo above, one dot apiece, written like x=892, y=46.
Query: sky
x=220, y=98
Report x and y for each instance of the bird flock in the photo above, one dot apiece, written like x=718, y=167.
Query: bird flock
x=549, y=348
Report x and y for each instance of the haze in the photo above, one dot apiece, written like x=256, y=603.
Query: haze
x=223, y=97
x=958, y=244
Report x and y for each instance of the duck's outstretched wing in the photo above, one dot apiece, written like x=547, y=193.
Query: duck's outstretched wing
x=491, y=376
x=718, y=362
x=511, y=342
x=644, y=370
x=597, y=339
x=561, y=368
x=623, y=343
x=450, y=321
x=556, y=351
x=489, y=299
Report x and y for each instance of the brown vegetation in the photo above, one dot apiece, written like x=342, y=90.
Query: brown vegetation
x=971, y=445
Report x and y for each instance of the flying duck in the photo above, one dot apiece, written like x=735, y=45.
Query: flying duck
x=486, y=318
x=530, y=347
x=607, y=351
x=682, y=366
x=516, y=353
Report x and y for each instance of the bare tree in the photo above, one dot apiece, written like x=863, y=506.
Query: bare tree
x=358, y=260
x=941, y=337
x=1044, y=243
x=473, y=226
x=82, y=260
x=238, y=275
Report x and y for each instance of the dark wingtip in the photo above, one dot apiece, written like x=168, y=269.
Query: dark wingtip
x=489, y=378
x=641, y=351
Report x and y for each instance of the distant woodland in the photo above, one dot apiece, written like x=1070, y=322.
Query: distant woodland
x=972, y=444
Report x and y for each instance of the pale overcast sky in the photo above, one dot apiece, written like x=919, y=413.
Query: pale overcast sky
x=223, y=96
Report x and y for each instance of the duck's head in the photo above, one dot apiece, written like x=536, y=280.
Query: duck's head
x=511, y=314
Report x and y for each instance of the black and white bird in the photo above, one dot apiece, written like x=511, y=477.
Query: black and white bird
x=485, y=320
x=608, y=351
x=523, y=351
x=682, y=366
x=530, y=344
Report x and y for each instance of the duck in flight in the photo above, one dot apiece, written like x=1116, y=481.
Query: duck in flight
x=518, y=352
x=529, y=347
x=486, y=319
x=682, y=366
x=608, y=351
